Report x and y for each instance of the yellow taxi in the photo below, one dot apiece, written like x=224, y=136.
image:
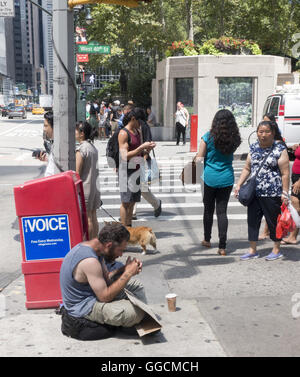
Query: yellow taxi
x=37, y=110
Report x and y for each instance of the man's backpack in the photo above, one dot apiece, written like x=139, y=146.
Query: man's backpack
x=112, y=149
x=83, y=329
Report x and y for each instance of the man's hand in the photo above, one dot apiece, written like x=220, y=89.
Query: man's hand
x=133, y=267
x=43, y=156
x=148, y=145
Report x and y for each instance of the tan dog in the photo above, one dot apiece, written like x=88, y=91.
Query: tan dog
x=141, y=235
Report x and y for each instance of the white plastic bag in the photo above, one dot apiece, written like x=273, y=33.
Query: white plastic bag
x=294, y=214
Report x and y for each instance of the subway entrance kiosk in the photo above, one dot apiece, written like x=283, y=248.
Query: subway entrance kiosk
x=52, y=220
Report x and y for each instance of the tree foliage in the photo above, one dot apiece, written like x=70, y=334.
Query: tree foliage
x=140, y=36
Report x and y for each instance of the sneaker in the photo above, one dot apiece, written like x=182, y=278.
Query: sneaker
x=157, y=211
x=273, y=256
x=249, y=256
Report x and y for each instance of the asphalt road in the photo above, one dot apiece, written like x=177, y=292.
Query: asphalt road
x=18, y=138
x=252, y=307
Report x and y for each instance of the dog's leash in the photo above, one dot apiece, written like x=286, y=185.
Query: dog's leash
x=103, y=209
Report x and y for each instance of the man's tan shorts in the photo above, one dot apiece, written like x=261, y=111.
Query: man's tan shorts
x=120, y=312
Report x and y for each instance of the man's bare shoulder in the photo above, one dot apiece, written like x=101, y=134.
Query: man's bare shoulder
x=90, y=264
x=86, y=267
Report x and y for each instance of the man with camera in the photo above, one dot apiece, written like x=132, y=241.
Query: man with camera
x=47, y=155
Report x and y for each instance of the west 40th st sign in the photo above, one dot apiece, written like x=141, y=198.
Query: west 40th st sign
x=93, y=49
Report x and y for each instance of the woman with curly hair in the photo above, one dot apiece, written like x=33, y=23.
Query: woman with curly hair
x=216, y=149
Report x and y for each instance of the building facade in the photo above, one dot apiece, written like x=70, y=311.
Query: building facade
x=48, y=46
x=207, y=83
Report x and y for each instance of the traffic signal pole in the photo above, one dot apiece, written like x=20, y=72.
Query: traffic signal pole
x=64, y=87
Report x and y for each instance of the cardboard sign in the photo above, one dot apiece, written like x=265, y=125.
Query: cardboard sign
x=150, y=322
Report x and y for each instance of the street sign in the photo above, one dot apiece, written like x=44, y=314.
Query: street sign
x=82, y=58
x=7, y=8
x=93, y=49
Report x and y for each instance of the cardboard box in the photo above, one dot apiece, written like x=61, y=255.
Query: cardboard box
x=150, y=323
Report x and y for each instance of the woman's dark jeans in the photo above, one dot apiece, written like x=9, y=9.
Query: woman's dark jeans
x=219, y=198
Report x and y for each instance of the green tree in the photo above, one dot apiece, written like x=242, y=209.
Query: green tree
x=140, y=36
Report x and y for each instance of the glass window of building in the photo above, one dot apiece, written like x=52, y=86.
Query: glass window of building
x=185, y=93
x=236, y=95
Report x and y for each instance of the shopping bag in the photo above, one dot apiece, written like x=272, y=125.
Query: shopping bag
x=294, y=214
x=285, y=223
x=149, y=171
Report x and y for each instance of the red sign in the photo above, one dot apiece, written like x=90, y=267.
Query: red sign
x=82, y=58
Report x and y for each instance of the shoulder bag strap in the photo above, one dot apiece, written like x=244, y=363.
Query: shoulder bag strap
x=265, y=159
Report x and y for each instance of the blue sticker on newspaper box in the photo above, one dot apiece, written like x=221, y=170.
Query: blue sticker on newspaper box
x=46, y=237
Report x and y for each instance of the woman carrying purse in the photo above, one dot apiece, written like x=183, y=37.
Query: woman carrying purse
x=272, y=186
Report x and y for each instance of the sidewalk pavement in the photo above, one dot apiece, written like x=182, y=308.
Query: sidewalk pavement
x=37, y=332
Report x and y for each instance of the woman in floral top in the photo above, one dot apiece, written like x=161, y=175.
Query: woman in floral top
x=272, y=186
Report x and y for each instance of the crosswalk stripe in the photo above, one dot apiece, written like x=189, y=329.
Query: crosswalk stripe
x=169, y=195
x=110, y=172
x=154, y=188
x=161, y=195
x=170, y=205
x=178, y=218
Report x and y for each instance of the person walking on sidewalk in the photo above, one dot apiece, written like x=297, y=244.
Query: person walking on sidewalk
x=129, y=170
x=89, y=291
x=146, y=135
x=181, y=122
x=93, y=116
x=87, y=168
x=216, y=149
x=102, y=123
x=272, y=186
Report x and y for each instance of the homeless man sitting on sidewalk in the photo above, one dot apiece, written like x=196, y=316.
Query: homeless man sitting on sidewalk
x=90, y=292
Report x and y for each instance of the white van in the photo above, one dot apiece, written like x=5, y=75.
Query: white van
x=285, y=105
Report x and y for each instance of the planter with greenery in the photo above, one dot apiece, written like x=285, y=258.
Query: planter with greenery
x=181, y=48
x=229, y=46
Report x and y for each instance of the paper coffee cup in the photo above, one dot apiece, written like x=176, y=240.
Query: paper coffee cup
x=171, y=299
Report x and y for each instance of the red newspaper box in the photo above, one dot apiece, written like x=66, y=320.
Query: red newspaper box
x=52, y=220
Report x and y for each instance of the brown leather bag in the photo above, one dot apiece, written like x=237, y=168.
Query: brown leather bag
x=188, y=175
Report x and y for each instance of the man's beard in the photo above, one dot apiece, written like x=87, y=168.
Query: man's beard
x=110, y=256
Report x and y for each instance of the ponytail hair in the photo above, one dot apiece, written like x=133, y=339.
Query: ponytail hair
x=90, y=133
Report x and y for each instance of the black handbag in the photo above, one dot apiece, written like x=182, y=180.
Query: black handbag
x=247, y=190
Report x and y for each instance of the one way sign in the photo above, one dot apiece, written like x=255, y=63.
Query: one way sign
x=7, y=8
